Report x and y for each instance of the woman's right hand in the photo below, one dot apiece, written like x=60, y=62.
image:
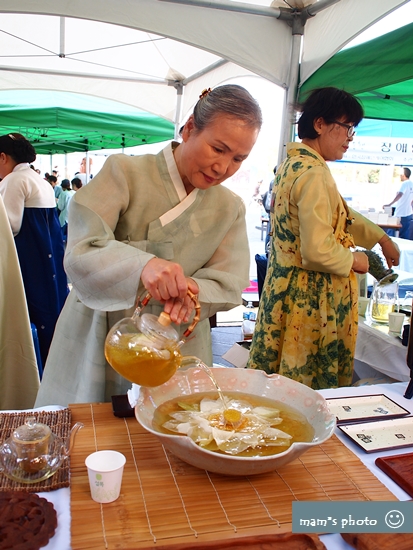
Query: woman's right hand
x=360, y=262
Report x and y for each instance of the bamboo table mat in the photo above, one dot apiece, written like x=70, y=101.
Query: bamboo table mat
x=168, y=502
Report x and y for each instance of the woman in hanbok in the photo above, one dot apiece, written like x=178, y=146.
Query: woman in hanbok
x=307, y=321
x=159, y=223
x=31, y=208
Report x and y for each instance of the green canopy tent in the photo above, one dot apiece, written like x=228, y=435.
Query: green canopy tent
x=379, y=72
x=62, y=122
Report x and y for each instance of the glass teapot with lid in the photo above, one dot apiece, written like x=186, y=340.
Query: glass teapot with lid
x=33, y=452
x=145, y=349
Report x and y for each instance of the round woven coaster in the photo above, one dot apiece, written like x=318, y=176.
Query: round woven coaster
x=27, y=521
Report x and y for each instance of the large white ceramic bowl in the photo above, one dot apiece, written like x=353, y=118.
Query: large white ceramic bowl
x=255, y=382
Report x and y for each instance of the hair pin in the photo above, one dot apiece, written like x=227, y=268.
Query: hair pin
x=205, y=93
x=12, y=137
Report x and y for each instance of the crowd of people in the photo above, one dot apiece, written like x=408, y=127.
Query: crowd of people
x=172, y=230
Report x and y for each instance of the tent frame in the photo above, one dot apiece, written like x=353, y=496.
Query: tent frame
x=279, y=29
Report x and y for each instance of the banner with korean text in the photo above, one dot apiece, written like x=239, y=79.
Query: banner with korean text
x=381, y=150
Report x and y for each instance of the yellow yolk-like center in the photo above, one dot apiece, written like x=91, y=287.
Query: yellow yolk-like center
x=229, y=419
x=232, y=415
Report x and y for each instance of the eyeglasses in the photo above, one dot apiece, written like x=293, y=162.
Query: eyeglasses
x=351, y=131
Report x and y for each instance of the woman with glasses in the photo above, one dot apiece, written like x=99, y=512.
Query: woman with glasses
x=307, y=322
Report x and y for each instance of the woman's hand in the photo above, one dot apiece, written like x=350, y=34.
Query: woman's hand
x=166, y=282
x=390, y=251
x=180, y=310
x=360, y=262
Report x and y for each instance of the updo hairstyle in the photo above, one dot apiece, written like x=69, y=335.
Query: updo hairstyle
x=17, y=146
x=331, y=104
x=231, y=100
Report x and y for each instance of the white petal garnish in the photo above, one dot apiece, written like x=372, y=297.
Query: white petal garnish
x=266, y=412
x=203, y=426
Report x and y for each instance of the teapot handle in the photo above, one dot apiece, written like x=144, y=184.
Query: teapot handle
x=194, y=298
x=143, y=301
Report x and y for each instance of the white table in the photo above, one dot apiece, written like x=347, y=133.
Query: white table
x=379, y=352
x=61, y=497
x=394, y=392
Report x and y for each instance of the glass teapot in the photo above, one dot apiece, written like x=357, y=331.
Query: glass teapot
x=145, y=349
x=33, y=452
x=385, y=294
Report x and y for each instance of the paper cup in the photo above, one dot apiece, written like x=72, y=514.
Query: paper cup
x=396, y=321
x=105, y=470
x=362, y=305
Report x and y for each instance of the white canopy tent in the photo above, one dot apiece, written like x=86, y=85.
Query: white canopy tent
x=158, y=55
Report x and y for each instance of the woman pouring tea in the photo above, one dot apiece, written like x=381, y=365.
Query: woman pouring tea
x=161, y=223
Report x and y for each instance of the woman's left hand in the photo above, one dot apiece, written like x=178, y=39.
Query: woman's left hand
x=390, y=251
x=180, y=310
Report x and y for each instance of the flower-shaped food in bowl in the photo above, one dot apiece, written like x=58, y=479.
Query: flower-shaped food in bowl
x=233, y=382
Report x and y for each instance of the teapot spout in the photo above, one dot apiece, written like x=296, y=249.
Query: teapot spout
x=189, y=361
x=67, y=448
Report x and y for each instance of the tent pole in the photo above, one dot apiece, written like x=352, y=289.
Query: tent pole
x=240, y=7
x=287, y=125
x=62, y=36
x=87, y=166
x=298, y=19
x=179, y=87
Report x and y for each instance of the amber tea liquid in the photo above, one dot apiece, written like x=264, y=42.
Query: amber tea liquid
x=141, y=365
x=294, y=422
x=380, y=312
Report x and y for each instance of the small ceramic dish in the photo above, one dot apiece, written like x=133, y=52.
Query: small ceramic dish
x=247, y=381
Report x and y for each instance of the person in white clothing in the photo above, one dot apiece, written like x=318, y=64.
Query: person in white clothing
x=31, y=208
x=404, y=200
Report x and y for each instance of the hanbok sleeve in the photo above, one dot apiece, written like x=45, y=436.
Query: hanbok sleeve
x=317, y=198
x=104, y=272
x=365, y=232
x=14, y=192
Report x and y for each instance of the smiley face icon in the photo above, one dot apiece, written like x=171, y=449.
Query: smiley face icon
x=394, y=519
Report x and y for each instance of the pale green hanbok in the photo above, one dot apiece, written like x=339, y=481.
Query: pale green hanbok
x=137, y=208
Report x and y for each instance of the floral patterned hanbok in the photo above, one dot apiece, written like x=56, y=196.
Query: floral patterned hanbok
x=307, y=321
